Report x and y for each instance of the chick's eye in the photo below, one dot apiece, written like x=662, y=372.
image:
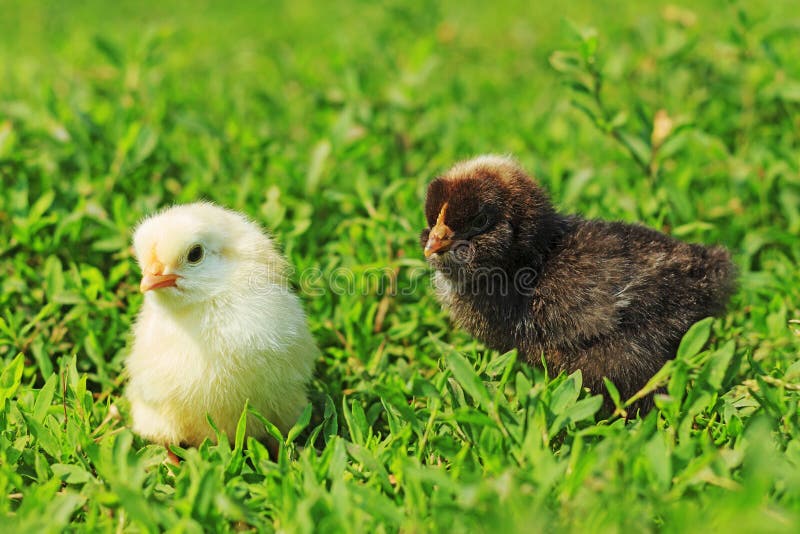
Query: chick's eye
x=481, y=221
x=196, y=254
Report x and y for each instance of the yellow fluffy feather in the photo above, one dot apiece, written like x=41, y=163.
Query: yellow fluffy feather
x=219, y=327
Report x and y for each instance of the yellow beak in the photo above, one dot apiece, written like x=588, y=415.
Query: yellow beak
x=441, y=236
x=157, y=281
x=154, y=278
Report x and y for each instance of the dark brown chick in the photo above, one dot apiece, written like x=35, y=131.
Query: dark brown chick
x=608, y=298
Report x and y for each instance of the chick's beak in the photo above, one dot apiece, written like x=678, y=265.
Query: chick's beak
x=154, y=278
x=441, y=236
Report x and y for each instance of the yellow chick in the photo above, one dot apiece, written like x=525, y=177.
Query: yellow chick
x=219, y=327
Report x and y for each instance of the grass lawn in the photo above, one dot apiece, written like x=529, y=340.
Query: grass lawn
x=325, y=121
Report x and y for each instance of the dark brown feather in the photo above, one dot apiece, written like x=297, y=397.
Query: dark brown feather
x=608, y=298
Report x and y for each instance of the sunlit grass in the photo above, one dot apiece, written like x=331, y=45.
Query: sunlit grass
x=325, y=122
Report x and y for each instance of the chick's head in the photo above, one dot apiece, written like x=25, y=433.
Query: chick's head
x=193, y=253
x=484, y=213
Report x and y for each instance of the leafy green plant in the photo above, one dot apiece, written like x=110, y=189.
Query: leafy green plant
x=327, y=132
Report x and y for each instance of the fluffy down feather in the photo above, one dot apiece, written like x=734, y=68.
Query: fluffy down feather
x=219, y=327
x=608, y=298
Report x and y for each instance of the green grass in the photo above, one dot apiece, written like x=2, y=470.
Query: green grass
x=325, y=123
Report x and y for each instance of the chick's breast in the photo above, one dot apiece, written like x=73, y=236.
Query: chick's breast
x=256, y=350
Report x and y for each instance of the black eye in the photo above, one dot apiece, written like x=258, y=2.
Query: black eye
x=480, y=222
x=196, y=254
